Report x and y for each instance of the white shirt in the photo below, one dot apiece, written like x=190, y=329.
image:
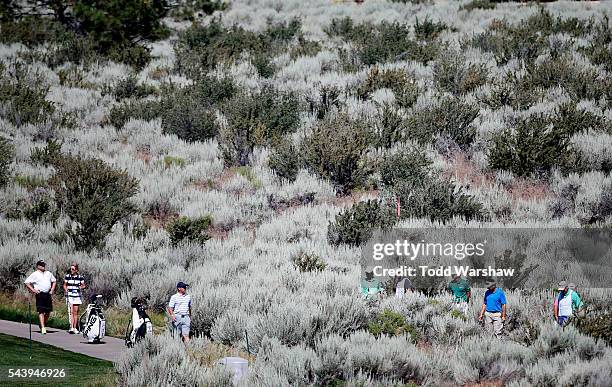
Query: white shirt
x=41, y=280
x=180, y=303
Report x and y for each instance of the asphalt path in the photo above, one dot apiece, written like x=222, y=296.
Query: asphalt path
x=109, y=349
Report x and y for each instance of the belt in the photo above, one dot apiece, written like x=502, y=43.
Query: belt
x=489, y=311
x=183, y=315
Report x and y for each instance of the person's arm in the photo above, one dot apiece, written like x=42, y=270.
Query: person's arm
x=469, y=295
x=53, y=283
x=65, y=286
x=482, y=311
x=31, y=288
x=556, y=310
x=82, y=284
x=171, y=309
x=503, y=312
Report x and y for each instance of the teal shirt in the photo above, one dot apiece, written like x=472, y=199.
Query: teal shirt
x=460, y=290
x=576, y=301
x=370, y=288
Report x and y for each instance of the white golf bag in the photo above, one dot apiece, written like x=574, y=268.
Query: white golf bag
x=93, y=324
x=140, y=325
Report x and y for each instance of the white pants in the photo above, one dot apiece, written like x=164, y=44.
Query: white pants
x=462, y=307
x=494, y=323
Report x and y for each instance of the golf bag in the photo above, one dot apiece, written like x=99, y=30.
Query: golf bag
x=93, y=324
x=140, y=325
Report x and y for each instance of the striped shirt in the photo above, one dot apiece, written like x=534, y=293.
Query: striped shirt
x=180, y=303
x=73, y=283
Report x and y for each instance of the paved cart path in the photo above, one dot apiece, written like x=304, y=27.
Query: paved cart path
x=110, y=349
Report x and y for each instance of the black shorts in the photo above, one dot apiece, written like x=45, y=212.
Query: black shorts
x=44, y=304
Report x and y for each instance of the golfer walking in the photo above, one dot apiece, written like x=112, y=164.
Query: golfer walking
x=461, y=291
x=179, y=309
x=74, y=283
x=494, y=308
x=42, y=284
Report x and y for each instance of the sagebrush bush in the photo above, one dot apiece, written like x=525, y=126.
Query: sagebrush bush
x=454, y=75
x=203, y=47
x=336, y=150
x=450, y=118
x=355, y=225
x=307, y=262
x=403, y=86
x=134, y=109
x=382, y=42
x=256, y=119
x=325, y=101
x=533, y=145
x=23, y=95
x=284, y=160
x=478, y=4
x=389, y=128
x=193, y=230
x=93, y=195
x=128, y=87
x=428, y=29
x=392, y=324
x=7, y=154
x=47, y=155
x=409, y=178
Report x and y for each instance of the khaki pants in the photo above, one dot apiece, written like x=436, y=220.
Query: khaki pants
x=494, y=323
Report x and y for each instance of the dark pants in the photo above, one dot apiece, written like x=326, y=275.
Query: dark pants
x=44, y=304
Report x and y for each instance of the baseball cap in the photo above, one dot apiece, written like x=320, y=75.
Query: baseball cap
x=181, y=284
x=491, y=283
x=41, y=263
x=562, y=285
x=572, y=285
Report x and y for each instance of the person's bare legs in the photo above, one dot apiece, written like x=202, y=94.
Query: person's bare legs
x=47, y=314
x=185, y=339
x=41, y=320
x=75, y=314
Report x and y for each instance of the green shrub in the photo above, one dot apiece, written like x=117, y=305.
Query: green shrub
x=392, y=324
x=450, y=118
x=135, y=109
x=532, y=145
x=284, y=160
x=94, y=196
x=306, y=262
x=428, y=29
x=328, y=100
x=404, y=87
x=579, y=82
x=170, y=161
x=304, y=47
x=389, y=128
x=39, y=207
x=30, y=182
x=408, y=177
x=478, y=4
x=188, y=118
x=264, y=66
x=512, y=92
x=201, y=48
x=383, y=42
x=355, y=225
x=257, y=119
x=336, y=150
x=7, y=153
x=128, y=87
x=452, y=74
x=193, y=230
x=116, y=23
x=185, y=10
x=24, y=98
x=47, y=155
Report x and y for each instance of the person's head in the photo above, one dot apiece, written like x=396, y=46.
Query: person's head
x=74, y=268
x=41, y=265
x=369, y=273
x=562, y=286
x=572, y=286
x=181, y=287
x=491, y=285
x=456, y=277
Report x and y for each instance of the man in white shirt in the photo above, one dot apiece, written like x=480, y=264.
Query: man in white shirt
x=42, y=284
x=179, y=309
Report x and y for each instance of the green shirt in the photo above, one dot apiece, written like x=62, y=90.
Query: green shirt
x=460, y=290
x=370, y=288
